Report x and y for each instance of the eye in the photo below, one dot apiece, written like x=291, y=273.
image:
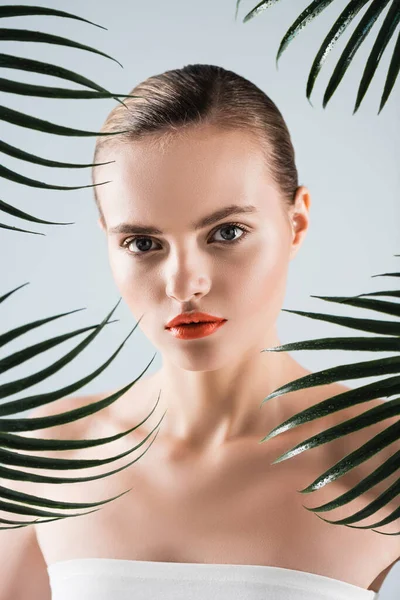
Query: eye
x=146, y=240
x=231, y=226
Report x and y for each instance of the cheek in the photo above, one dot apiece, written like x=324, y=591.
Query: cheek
x=256, y=283
x=121, y=267
x=130, y=278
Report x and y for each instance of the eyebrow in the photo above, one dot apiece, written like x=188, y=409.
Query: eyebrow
x=203, y=222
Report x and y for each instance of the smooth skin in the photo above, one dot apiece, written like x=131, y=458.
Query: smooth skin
x=206, y=491
x=212, y=386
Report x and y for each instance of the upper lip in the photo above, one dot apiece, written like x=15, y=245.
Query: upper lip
x=190, y=317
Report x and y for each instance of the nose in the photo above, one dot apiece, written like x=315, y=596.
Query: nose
x=187, y=276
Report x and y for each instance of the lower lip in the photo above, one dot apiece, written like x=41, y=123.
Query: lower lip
x=198, y=330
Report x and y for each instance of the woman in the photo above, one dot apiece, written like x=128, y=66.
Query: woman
x=203, y=214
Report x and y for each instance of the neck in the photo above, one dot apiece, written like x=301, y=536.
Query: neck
x=208, y=409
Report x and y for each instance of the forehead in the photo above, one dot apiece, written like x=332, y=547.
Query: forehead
x=185, y=174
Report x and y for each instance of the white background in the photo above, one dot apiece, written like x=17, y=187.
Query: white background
x=349, y=163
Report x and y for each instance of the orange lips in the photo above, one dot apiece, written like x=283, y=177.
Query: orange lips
x=195, y=330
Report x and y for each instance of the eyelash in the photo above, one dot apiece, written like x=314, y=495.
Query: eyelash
x=244, y=229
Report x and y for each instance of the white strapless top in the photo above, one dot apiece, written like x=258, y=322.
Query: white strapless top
x=116, y=579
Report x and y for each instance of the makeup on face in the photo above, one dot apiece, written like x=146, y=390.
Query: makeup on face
x=193, y=331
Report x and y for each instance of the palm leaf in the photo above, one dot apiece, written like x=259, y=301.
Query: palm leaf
x=28, y=89
x=27, y=35
x=391, y=293
x=356, y=40
x=388, y=27
x=392, y=74
x=46, y=162
x=18, y=385
x=24, y=215
x=371, y=325
x=359, y=35
x=23, y=11
x=305, y=18
x=16, y=177
x=2, y=226
x=389, y=308
x=16, y=87
x=387, y=387
x=9, y=427
x=259, y=8
x=8, y=294
x=8, y=61
x=22, y=120
x=338, y=28
x=381, y=473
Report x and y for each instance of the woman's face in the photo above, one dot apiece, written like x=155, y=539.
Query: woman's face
x=235, y=268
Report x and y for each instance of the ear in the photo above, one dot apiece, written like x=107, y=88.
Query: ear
x=299, y=216
x=101, y=223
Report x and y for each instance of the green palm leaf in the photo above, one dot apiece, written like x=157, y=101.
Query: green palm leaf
x=2, y=226
x=389, y=308
x=392, y=74
x=21, y=356
x=379, y=344
x=13, y=176
x=24, y=215
x=9, y=427
x=259, y=8
x=30, y=402
x=371, y=325
x=388, y=274
x=28, y=121
x=8, y=61
x=27, y=89
x=15, y=10
x=369, y=368
x=22, y=120
x=391, y=293
x=9, y=336
x=387, y=387
x=370, y=417
x=359, y=35
x=21, y=384
x=384, y=471
x=305, y=18
x=341, y=24
x=381, y=501
x=382, y=40
x=17, y=118
x=26, y=35
x=46, y=162
x=8, y=294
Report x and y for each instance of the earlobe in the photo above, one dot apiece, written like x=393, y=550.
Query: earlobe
x=100, y=223
x=293, y=251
